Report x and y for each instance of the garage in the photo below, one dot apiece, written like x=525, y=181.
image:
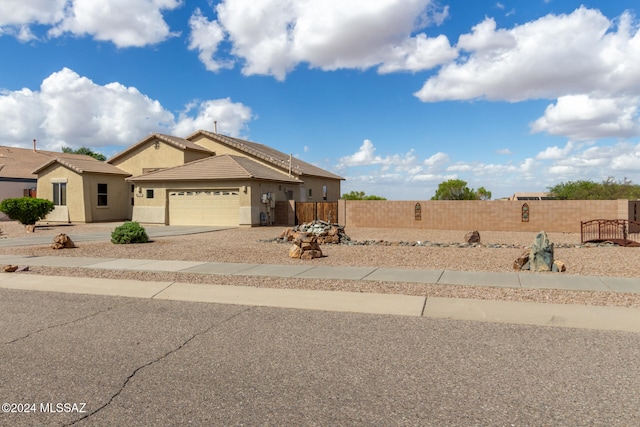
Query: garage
x=204, y=207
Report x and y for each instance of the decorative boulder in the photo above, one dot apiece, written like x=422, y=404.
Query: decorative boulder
x=62, y=241
x=472, y=237
x=10, y=268
x=541, y=254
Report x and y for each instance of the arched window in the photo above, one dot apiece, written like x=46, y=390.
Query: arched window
x=525, y=213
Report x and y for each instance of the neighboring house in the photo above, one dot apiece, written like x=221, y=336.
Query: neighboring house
x=18, y=177
x=531, y=196
x=203, y=179
x=83, y=189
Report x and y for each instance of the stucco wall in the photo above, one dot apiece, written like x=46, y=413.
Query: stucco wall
x=497, y=215
x=82, y=195
x=117, y=208
x=75, y=210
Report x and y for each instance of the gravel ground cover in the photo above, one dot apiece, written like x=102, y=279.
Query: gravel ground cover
x=388, y=248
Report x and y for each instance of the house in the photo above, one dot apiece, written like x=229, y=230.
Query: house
x=531, y=196
x=203, y=179
x=18, y=175
x=83, y=189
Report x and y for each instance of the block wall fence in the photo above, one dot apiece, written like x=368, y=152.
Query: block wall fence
x=489, y=215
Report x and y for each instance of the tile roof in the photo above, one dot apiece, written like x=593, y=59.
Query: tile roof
x=24, y=163
x=181, y=143
x=273, y=156
x=82, y=164
x=224, y=167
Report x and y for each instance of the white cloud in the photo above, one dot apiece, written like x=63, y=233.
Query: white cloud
x=504, y=151
x=584, y=60
x=272, y=37
x=437, y=159
x=556, y=153
x=73, y=110
x=125, y=23
x=231, y=117
x=25, y=12
x=205, y=37
x=581, y=117
x=365, y=156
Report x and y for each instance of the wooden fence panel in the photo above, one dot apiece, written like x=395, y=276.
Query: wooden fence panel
x=305, y=212
x=327, y=211
x=311, y=211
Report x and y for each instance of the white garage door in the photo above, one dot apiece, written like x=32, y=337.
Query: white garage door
x=204, y=207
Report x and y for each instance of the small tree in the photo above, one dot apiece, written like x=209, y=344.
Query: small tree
x=456, y=189
x=26, y=210
x=86, y=151
x=359, y=195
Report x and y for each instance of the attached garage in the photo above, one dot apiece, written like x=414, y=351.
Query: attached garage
x=204, y=207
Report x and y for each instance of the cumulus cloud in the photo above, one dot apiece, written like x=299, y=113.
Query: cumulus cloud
x=581, y=117
x=142, y=24
x=205, y=37
x=553, y=56
x=584, y=60
x=365, y=156
x=72, y=110
x=272, y=37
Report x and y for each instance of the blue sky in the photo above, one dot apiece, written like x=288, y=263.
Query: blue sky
x=394, y=95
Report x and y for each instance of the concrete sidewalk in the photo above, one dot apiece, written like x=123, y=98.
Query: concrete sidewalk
x=605, y=318
x=441, y=277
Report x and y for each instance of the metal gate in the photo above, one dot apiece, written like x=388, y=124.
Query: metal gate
x=311, y=211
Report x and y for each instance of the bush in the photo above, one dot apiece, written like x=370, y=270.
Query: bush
x=26, y=210
x=129, y=232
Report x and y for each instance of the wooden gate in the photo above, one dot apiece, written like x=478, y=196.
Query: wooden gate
x=311, y=211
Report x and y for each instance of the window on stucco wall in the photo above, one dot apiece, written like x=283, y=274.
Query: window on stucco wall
x=525, y=213
x=103, y=199
x=60, y=193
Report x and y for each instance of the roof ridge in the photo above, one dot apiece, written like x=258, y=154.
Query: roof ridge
x=240, y=144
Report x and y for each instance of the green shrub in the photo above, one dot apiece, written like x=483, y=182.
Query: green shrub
x=129, y=232
x=26, y=210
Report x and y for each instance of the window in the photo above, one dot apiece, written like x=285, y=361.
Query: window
x=150, y=194
x=310, y=193
x=324, y=192
x=60, y=193
x=525, y=213
x=417, y=211
x=102, y=195
x=133, y=187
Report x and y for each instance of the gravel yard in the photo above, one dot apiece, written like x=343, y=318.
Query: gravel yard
x=248, y=245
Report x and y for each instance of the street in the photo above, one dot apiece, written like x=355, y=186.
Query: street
x=71, y=359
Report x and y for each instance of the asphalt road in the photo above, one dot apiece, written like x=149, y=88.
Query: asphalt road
x=126, y=361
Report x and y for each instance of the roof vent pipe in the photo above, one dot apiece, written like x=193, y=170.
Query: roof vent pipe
x=215, y=126
x=34, y=145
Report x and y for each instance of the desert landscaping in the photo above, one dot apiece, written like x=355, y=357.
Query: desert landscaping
x=369, y=247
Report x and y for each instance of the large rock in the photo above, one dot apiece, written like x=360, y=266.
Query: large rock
x=541, y=254
x=62, y=241
x=472, y=237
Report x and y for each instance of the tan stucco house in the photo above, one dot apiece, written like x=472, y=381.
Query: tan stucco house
x=203, y=179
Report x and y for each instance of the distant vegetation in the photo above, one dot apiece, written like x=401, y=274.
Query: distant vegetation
x=359, y=195
x=608, y=189
x=85, y=151
x=456, y=189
